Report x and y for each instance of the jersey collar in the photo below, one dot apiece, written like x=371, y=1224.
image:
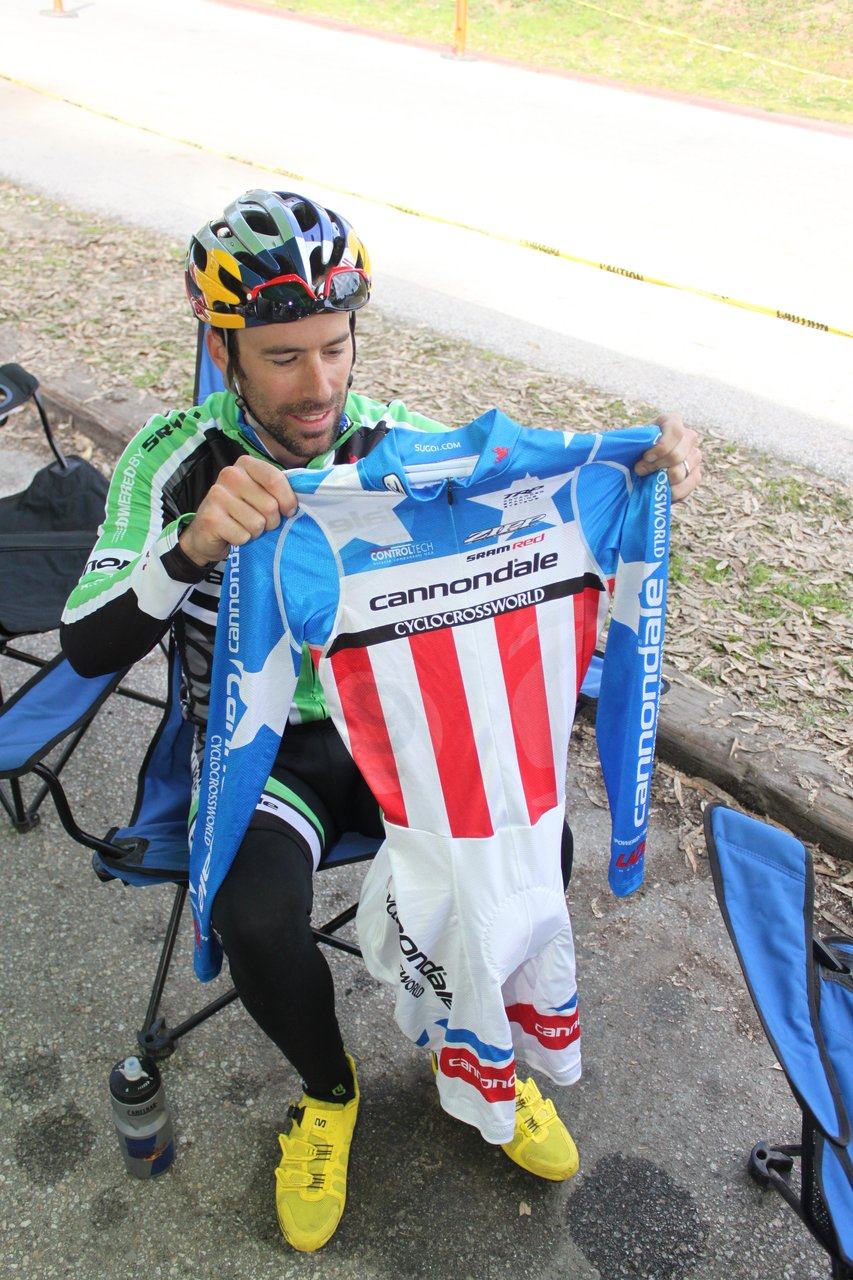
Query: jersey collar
x=416, y=462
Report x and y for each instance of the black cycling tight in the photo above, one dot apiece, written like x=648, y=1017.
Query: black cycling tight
x=262, y=914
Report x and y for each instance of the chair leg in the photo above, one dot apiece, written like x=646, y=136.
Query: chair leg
x=21, y=817
x=154, y=1038
x=770, y=1163
x=164, y=1038
x=13, y=802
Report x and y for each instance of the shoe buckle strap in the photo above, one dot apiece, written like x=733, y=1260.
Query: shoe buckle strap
x=295, y=1149
x=294, y=1179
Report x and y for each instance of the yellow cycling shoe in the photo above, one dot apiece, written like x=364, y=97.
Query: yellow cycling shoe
x=541, y=1143
x=311, y=1179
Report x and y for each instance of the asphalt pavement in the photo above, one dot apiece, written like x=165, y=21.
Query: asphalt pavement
x=181, y=104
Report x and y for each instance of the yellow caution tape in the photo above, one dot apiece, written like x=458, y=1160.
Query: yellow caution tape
x=535, y=245
x=709, y=44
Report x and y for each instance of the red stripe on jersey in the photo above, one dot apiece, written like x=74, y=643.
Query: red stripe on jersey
x=521, y=660
x=496, y=1084
x=316, y=652
x=368, y=732
x=552, y=1030
x=449, y=719
x=586, y=604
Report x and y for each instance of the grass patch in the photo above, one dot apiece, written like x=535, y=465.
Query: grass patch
x=792, y=588
x=713, y=570
x=830, y=599
x=677, y=567
x=759, y=573
x=794, y=493
x=657, y=44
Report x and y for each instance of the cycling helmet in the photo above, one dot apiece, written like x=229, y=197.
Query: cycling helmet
x=272, y=257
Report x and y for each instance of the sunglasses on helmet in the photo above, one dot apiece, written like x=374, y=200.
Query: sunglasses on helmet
x=291, y=298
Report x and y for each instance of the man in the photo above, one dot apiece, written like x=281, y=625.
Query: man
x=278, y=279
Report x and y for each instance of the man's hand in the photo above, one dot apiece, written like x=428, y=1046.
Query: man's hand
x=677, y=452
x=247, y=499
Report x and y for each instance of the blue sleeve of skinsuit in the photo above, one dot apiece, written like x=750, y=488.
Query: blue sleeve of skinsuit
x=257, y=657
x=626, y=721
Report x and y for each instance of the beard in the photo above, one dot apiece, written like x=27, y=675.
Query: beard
x=273, y=418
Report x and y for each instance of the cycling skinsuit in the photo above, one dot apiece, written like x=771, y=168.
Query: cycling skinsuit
x=451, y=590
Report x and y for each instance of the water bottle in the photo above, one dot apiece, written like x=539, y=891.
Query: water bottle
x=142, y=1117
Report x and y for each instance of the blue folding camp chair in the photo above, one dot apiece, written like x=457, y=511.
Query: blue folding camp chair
x=55, y=708
x=46, y=533
x=802, y=988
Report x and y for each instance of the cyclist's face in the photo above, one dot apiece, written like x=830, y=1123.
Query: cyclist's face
x=294, y=379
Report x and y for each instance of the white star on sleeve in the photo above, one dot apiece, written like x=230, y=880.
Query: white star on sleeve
x=264, y=694
x=630, y=577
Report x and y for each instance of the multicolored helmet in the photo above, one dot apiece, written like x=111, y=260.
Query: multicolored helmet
x=272, y=257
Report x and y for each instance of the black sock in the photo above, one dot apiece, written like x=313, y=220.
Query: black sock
x=331, y=1090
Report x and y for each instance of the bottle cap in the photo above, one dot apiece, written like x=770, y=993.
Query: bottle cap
x=134, y=1080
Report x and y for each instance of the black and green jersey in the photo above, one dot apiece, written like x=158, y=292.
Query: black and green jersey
x=138, y=582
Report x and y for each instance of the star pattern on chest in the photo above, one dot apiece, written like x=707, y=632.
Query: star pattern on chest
x=529, y=498
x=344, y=520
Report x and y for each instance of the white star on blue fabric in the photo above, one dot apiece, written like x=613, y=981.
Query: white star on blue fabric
x=374, y=520
x=540, y=510
x=258, y=692
x=630, y=578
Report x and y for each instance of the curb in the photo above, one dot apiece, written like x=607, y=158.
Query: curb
x=109, y=421
x=701, y=731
